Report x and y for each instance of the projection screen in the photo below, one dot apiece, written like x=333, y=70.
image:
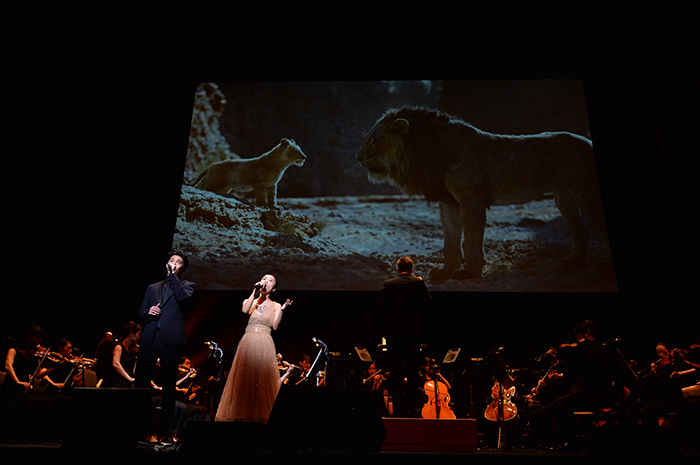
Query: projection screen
x=319, y=223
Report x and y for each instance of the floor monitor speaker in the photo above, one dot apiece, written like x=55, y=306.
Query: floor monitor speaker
x=108, y=418
x=325, y=419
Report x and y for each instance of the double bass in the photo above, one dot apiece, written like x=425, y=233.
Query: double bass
x=439, y=401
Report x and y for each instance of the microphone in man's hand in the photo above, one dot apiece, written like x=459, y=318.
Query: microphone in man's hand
x=170, y=269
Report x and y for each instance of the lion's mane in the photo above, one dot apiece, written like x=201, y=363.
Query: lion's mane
x=425, y=157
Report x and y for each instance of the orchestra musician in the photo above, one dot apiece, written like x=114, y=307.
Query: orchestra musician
x=107, y=340
x=31, y=412
x=688, y=374
x=66, y=370
x=662, y=391
x=22, y=363
x=123, y=358
x=688, y=369
x=300, y=374
x=502, y=418
x=186, y=386
x=375, y=379
x=550, y=385
x=435, y=391
x=587, y=365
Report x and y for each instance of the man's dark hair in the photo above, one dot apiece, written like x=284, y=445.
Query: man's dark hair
x=34, y=331
x=405, y=265
x=586, y=326
x=183, y=255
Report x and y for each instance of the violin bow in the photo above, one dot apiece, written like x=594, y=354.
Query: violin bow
x=46, y=352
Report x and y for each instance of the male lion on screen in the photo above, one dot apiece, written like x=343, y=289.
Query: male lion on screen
x=466, y=170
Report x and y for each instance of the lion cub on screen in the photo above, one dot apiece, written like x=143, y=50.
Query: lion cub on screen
x=259, y=175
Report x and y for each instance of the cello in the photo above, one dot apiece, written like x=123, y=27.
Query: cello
x=502, y=408
x=437, y=390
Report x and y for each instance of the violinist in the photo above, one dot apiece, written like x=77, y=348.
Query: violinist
x=192, y=389
x=22, y=363
x=687, y=373
x=185, y=385
x=66, y=371
x=688, y=369
x=550, y=385
x=587, y=365
x=663, y=392
x=302, y=371
x=31, y=411
x=374, y=379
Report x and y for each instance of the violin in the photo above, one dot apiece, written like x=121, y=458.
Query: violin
x=36, y=351
x=290, y=369
x=189, y=372
x=377, y=378
x=439, y=401
x=550, y=374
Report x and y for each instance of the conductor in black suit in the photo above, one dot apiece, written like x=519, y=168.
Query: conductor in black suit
x=163, y=337
x=402, y=310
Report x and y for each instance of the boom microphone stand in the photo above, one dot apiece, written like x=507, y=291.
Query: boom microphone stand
x=323, y=350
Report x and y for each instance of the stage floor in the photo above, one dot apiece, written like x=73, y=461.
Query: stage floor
x=178, y=454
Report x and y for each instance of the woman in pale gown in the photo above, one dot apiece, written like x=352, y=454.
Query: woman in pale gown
x=254, y=379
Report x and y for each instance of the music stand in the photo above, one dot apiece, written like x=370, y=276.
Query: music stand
x=363, y=354
x=451, y=355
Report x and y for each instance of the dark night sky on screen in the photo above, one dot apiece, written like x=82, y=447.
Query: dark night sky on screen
x=103, y=102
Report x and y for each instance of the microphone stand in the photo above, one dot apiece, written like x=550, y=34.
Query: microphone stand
x=501, y=413
x=322, y=351
x=499, y=368
x=217, y=354
x=437, y=392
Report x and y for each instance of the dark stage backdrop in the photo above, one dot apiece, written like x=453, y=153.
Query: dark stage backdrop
x=93, y=190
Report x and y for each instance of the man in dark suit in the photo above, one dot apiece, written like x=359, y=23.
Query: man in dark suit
x=588, y=367
x=163, y=337
x=402, y=312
